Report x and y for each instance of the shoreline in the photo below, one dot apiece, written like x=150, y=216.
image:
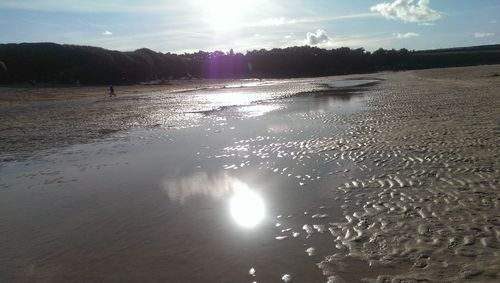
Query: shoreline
x=397, y=183
x=129, y=110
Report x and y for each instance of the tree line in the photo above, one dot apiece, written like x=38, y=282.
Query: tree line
x=70, y=64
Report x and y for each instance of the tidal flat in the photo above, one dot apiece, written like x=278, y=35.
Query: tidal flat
x=385, y=177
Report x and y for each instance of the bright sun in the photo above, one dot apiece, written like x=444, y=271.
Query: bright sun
x=224, y=14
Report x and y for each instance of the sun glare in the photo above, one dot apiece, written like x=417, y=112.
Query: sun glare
x=224, y=14
x=246, y=206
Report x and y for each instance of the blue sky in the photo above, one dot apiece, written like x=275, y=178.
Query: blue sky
x=191, y=25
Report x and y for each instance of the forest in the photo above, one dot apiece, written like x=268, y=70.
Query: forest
x=51, y=63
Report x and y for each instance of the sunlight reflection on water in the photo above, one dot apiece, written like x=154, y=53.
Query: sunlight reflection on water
x=245, y=205
x=235, y=97
x=258, y=110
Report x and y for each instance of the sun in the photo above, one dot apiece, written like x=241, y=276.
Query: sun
x=224, y=15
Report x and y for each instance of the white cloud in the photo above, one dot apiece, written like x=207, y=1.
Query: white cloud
x=318, y=37
x=493, y=21
x=107, y=33
x=405, y=35
x=407, y=11
x=483, y=34
x=425, y=24
x=282, y=21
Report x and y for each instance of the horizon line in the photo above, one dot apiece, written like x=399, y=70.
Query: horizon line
x=247, y=51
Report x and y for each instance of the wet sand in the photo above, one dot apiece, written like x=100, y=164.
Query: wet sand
x=34, y=119
x=392, y=182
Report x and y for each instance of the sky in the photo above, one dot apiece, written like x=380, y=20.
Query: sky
x=192, y=25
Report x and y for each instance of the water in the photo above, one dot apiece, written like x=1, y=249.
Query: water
x=34, y=121
x=139, y=204
x=365, y=184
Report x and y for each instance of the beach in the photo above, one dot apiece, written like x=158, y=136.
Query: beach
x=385, y=177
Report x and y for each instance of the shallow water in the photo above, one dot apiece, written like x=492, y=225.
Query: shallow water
x=156, y=200
x=351, y=185
x=34, y=121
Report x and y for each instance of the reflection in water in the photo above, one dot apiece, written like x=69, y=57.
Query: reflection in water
x=245, y=206
x=215, y=186
x=231, y=98
x=258, y=109
x=323, y=104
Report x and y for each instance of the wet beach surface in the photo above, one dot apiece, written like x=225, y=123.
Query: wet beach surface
x=385, y=182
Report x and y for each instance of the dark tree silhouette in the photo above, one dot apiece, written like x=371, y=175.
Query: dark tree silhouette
x=66, y=64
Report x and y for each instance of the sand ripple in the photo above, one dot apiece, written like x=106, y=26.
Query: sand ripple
x=422, y=196
x=430, y=206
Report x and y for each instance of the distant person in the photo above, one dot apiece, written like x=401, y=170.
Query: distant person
x=111, y=91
